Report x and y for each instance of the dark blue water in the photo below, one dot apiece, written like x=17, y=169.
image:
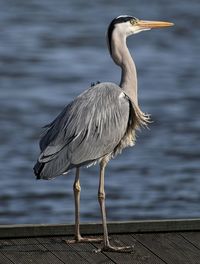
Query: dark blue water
x=50, y=51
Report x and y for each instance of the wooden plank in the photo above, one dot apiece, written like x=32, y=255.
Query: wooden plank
x=157, y=248
x=62, y=250
x=87, y=250
x=192, y=237
x=170, y=247
x=140, y=254
x=4, y=259
x=25, y=251
x=172, y=225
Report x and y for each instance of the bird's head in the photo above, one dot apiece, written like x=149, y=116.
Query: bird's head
x=128, y=25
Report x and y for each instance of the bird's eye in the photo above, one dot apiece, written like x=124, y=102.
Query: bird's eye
x=133, y=21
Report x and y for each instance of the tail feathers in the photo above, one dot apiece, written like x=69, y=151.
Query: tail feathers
x=38, y=169
x=50, y=170
x=51, y=163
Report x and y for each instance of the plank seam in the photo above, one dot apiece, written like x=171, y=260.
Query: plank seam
x=149, y=249
x=7, y=258
x=56, y=255
x=104, y=253
x=189, y=241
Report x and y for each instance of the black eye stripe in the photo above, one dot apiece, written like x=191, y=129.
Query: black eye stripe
x=117, y=20
x=123, y=19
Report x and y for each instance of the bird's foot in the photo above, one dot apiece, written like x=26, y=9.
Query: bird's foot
x=109, y=248
x=81, y=239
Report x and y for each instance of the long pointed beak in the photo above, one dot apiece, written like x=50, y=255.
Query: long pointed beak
x=153, y=24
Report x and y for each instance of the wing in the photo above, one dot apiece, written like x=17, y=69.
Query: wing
x=88, y=128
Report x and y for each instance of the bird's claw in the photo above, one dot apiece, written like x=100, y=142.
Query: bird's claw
x=84, y=240
x=109, y=248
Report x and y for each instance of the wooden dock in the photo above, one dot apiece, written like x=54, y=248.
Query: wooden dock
x=155, y=242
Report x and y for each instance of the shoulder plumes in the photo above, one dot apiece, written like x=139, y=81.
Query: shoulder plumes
x=141, y=119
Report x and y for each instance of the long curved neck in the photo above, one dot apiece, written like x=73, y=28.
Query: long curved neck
x=122, y=57
x=129, y=76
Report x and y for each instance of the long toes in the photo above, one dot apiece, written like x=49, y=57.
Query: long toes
x=110, y=248
x=70, y=241
x=91, y=239
x=126, y=249
x=84, y=240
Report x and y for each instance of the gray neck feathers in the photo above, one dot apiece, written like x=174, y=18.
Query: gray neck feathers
x=121, y=56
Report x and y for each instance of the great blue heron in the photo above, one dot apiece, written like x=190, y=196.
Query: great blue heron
x=97, y=124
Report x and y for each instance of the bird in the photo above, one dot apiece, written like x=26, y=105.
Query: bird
x=98, y=124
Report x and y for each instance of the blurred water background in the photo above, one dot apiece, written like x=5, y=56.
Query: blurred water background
x=50, y=51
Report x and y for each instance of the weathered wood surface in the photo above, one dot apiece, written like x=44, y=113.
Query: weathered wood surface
x=177, y=242
x=170, y=225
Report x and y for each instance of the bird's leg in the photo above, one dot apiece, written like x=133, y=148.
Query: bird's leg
x=101, y=198
x=77, y=191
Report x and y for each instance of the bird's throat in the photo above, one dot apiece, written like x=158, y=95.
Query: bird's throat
x=122, y=57
x=129, y=78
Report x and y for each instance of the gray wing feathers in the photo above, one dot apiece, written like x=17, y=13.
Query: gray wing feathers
x=87, y=129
